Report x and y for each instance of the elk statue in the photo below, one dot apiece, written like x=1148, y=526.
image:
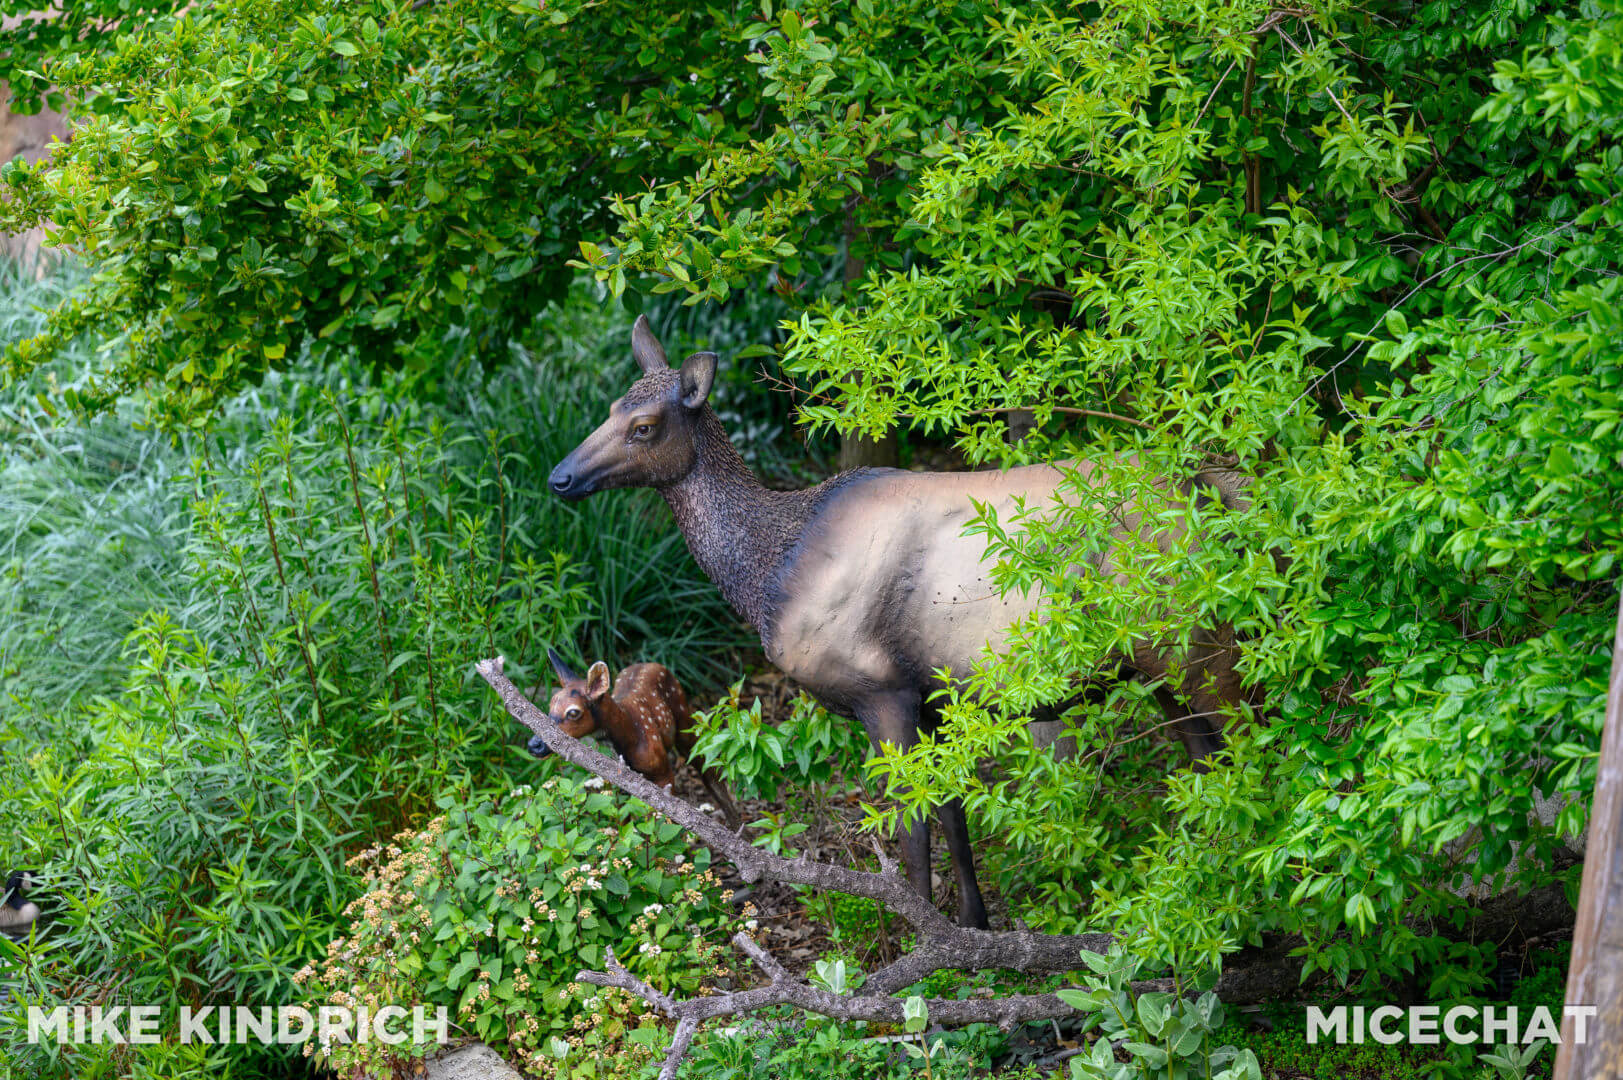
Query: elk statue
x=865, y=585
x=646, y=718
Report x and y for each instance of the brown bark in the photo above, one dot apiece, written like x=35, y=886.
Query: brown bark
x=859, y=450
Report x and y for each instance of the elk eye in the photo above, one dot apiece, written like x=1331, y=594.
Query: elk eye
x=642, y=430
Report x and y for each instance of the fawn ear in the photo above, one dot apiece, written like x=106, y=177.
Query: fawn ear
x=698, y=373
x=645, y=347
x=597, y=681
x=560, y=668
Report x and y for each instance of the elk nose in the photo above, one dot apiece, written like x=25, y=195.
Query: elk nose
x=560, y=480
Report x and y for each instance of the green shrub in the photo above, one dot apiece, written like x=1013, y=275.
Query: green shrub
x=1166, y=1035
x=808, y=747
x=196, y=822
x=494, y=906
x=768, y=1046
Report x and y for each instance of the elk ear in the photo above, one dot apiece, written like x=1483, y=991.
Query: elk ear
x=560, y=668
x=597, y=681
x=698, y=374
x=645, y=347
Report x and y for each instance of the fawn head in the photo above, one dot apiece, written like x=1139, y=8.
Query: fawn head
x=575, y=703
x=649, y=438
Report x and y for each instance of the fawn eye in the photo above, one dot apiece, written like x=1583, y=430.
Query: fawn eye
x=571, y=714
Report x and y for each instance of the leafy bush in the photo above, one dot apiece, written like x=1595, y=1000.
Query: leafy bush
x=810, y=746
x=822, y=1049
x=495, y=904
x=196, y=822
x=1167, y=1036
x=1367, y=256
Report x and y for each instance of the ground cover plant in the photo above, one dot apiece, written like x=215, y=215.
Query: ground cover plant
x=492, y=908
x=1366, y=256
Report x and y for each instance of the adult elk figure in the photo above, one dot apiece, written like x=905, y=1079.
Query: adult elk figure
x=864, y=585
x=646, y=718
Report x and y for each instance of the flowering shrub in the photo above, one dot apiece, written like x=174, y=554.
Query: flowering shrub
x=491, y=910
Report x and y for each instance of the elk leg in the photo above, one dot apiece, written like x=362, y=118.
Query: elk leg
x=971, y=910
x=1209, y=690
x=894, y=718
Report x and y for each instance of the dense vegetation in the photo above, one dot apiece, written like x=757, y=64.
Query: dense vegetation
x=373, y=262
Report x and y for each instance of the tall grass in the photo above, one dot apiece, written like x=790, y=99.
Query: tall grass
x=94, y=517
x=91, y=521
x=230, y=659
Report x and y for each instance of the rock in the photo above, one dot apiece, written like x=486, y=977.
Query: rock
x=475, y=1061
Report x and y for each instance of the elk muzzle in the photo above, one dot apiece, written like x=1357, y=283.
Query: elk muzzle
x=567, y=482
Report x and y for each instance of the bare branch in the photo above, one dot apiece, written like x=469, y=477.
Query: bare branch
x=942, y=945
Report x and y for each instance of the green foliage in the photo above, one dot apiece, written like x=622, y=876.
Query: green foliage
x=227, y=663
x=91, y=523
x=810, y=746
x=852, y=921
x=822, y=1049
x=1282, y=1048
x=37, y=36
x=1167, y=1036
x=495, y=905
x=316, y=692
x=1513, y=1062
x=1321, y=245
x=390, y=179
x=1306, y=245
x=1285, y=1051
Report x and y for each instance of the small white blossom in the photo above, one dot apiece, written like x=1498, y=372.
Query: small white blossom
x=594, y=782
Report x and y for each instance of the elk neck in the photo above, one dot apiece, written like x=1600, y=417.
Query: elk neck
x=739, y=531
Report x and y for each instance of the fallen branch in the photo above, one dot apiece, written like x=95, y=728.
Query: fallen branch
x=942, y=945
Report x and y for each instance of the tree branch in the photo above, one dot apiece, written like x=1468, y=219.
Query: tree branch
x=942, y=945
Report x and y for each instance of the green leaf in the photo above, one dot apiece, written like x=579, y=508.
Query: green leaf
x=1560, y=462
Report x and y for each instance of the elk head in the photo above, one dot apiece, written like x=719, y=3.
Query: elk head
x=648, y=439
x=575, y=703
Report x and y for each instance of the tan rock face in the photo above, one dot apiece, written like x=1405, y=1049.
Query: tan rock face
x=28, y=137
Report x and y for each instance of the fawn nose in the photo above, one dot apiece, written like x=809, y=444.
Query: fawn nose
x=538, y=747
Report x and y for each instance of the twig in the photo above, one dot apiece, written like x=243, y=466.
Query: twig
x=1213, y=94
